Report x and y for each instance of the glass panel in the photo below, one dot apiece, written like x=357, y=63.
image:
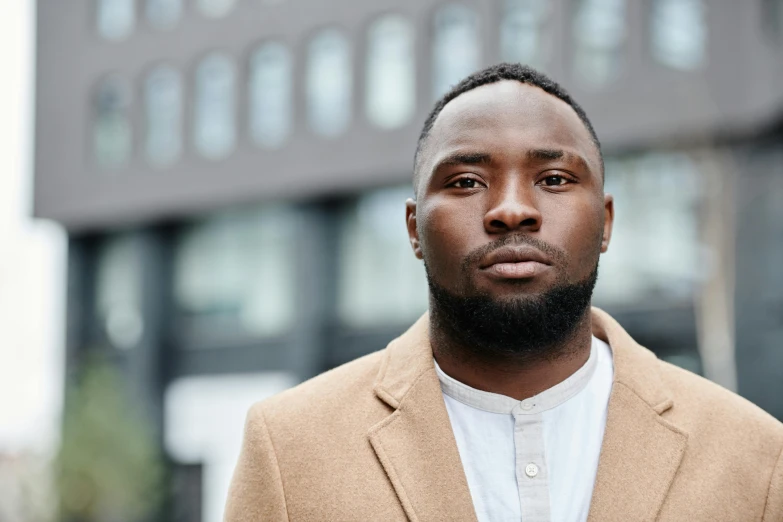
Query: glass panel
x=118, y=291
x=456, y=49
x=656, y=249
x=202, y=416
x=524, y=34
x=115, y=18
x=599, y=36
x=235, y=271
x=329, y=83
x=215, y=106
x=270, y=95
x=767, y=207
x=773, y=17
x=380, y=280
x=163, y=110
x=391, y=72
x=215, y=8
x=679, y=33
x=111, y=126
x=164, y=14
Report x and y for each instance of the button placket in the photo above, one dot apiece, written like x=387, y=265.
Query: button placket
x=532, y=479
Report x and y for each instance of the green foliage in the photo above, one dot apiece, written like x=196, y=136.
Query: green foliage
x=110, y=467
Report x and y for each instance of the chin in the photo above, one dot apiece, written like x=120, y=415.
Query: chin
x=510, y=289
x=519, y=301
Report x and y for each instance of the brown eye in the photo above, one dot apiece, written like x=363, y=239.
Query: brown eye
x=554, y=181
x=466, y=183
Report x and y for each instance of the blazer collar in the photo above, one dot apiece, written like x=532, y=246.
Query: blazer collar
x=635, y=367
x=640, y=454
x=641, y=450
x=407, y=357
x=415, y=444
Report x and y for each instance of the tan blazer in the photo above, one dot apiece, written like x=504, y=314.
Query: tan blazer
x=372, y=441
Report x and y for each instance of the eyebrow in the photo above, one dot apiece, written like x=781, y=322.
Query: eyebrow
x=464, y=158
x=545, y=154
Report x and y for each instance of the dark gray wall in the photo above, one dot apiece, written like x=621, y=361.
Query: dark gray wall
x=737, y=92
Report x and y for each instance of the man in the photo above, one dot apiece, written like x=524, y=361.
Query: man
x=512, y=399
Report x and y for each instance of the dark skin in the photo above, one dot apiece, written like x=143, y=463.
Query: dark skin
x=508, y=158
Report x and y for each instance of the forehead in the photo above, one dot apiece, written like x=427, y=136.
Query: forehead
x=509, y=117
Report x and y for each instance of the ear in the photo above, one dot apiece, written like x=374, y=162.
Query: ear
x=410, y=222
x=608, y=222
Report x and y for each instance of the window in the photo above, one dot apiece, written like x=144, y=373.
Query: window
x=455, y=47
x=524, y=34
x=118, y=288
x=679, y=33
x=653, y=254
x=772, y=14
x=391, y=72
x=215, y=106
x=234, y=271
x=163, y=111
x=115, y=18
x=112, y=134
x=202, y=415
x=163, y=14
x=215, y=8
x=599, y=36
x=270, y=95
x=380, y=280
x=329, y=83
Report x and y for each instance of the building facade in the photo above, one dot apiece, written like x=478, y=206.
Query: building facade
x=232, y=175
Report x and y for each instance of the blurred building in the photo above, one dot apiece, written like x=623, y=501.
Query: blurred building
x=232, y=176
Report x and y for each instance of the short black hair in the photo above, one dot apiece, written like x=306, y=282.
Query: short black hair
x=493, y=74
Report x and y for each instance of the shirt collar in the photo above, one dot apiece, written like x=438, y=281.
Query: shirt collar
x=546, y=400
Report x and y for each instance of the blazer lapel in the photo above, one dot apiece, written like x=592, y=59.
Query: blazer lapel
x=416, y=444
x=641, y=450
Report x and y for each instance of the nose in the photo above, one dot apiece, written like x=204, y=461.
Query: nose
x=512, y=210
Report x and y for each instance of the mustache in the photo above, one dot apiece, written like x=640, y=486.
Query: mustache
x=557, y=255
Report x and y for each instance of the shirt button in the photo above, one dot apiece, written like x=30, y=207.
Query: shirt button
x=531, y=470
x=527, y=405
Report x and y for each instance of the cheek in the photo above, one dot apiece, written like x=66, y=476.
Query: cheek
x=579, y=229
x=446, y=233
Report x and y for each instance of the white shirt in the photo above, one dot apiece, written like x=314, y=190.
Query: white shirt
x=534, y=460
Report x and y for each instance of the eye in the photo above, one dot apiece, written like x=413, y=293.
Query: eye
x=465, y=183
x=555, y=180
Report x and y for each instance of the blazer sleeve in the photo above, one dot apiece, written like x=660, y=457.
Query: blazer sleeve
x=773, y=511
x=256, y=492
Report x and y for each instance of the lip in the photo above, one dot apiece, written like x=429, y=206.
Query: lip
x=515, y=262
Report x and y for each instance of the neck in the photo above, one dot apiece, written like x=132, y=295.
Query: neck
x=515, y=377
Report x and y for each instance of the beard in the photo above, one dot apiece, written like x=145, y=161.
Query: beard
x=522, y=328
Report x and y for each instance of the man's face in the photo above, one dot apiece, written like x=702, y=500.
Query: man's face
x=510, y=202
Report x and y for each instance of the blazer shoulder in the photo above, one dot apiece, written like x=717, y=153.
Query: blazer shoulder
x=701, y=402
x=342, y=388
